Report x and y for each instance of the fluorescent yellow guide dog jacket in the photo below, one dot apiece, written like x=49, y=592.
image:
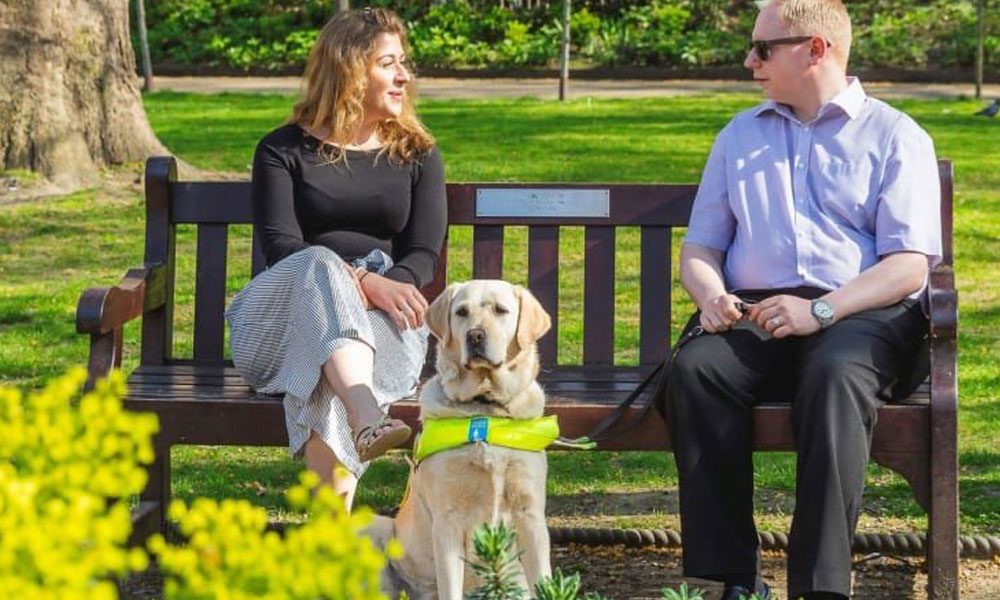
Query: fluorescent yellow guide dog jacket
x=520, y=434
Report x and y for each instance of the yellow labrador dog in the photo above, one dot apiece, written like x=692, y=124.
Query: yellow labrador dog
x=487, y=364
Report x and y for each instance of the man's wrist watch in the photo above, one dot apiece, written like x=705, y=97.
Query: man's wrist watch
x=822, y=311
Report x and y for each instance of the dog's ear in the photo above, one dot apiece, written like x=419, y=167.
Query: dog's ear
x=439, y=314
x=532, y=320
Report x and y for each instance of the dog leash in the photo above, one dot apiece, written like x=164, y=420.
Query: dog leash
x=601, y=430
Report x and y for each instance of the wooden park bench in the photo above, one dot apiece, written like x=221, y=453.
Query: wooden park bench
x=201, y=400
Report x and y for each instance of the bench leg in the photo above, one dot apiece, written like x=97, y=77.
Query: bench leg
x=156, y=497
x=942, y=537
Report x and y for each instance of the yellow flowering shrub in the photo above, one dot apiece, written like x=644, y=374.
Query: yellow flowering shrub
x=67, y=463
x=69, y=460
x=230, y=555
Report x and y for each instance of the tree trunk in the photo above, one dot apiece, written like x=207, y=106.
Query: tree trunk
x=980, y=57
x=69, y=102
x=343, y=5
x=147, y=65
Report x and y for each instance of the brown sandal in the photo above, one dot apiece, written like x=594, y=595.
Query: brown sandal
x=371, y=444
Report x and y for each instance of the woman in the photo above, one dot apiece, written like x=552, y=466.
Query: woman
x=349, y=205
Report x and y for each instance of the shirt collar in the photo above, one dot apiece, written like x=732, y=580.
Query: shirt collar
x=849, y=100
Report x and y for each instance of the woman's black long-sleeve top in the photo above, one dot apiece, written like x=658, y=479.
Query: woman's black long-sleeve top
x=300, y=199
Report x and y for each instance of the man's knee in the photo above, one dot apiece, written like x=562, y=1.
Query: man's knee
x=849, y=372
x=694, y=363
x=837, y=385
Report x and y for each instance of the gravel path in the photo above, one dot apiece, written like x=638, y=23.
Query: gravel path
x=432, y=87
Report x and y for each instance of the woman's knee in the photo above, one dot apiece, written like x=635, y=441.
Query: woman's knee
x=320, y=255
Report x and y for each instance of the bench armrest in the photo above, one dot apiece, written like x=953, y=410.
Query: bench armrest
x=103, y=312
x=943, y=301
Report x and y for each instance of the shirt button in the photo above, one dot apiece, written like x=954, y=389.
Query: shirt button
x=806, y=129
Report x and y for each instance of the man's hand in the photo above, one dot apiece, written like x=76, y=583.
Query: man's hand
x=719, y=313
x=782, y=316
x=403, y=302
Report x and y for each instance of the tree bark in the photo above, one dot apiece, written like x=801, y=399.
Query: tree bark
x=343, y=5
x=69, y=103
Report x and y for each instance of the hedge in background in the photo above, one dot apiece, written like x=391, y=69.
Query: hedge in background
x=277, y=34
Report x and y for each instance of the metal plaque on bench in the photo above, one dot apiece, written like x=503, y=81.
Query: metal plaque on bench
x=539, y=202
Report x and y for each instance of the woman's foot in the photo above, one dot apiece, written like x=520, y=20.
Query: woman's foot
x=375, y=439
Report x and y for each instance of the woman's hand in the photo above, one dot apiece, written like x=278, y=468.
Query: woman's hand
x=403, y=302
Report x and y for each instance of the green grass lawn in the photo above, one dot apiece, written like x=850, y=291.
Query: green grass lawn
x=51, y=250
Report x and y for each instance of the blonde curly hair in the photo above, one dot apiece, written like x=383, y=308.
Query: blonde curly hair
x=335, y=81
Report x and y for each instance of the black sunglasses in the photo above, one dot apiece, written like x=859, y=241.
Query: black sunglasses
x=762, y=48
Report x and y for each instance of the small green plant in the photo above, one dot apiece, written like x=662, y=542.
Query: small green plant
x=562, y=587
x=500, y=571
x=498, y=565
x=683, y=593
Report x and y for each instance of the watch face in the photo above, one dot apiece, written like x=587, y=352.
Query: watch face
x=823, y=310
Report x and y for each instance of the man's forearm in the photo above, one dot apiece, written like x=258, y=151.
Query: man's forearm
x=887, y=282
x=701, y=273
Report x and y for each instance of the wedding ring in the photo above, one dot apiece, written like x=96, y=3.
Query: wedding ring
x=776, y=321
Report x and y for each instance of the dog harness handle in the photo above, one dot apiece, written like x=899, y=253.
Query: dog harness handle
x=520, y=434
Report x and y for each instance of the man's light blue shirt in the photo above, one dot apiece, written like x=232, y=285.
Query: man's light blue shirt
x=815, y=204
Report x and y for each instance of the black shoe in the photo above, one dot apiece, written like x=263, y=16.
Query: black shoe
x=738, y=592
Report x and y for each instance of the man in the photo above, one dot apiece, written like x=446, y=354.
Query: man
x=818, y=213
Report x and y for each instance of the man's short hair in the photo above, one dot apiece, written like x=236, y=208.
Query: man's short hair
x=827, y=18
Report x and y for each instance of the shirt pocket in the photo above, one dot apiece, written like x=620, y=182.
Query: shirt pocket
x=844, y=191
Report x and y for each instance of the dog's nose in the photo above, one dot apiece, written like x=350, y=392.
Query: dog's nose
x=476, y=336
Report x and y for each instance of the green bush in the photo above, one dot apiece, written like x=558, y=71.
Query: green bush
x=939, y=34
x=277, y=34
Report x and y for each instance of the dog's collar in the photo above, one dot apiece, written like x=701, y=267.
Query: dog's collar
x=520, y=434
x=486, y=400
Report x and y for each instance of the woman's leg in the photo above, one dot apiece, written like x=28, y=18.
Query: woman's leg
x=322, y=461
x=350, y=371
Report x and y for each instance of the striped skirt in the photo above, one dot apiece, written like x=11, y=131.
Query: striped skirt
x=287, y=322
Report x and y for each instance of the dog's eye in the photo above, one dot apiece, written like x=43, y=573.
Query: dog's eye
x=500, y=310
x=462, y=312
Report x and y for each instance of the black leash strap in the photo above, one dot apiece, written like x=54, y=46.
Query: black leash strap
x=601, y=431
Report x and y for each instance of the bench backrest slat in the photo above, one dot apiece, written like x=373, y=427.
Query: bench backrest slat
x=210, y=293
x=599, y=295
x=654, y=294
x=211, y=202
x=487, y=252
x=543, y=281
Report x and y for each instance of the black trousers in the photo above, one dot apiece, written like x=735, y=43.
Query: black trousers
x=836, y=379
